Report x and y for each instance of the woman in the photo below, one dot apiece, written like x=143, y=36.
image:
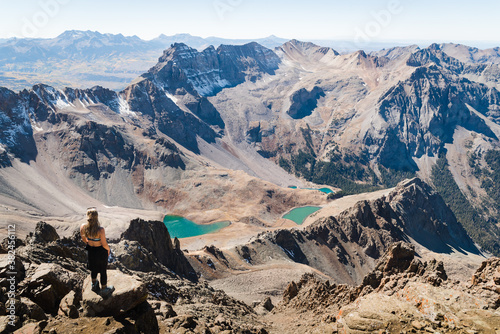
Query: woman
x=98, y=251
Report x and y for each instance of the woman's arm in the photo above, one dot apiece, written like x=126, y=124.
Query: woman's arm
x=82, y=234
x=104, y=242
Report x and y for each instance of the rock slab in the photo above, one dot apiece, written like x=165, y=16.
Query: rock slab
x=129, y=292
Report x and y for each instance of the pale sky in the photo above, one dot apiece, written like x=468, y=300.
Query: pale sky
x=367, y=20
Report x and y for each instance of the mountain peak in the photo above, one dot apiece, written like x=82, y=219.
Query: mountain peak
x=301, y=44
x=305, y=49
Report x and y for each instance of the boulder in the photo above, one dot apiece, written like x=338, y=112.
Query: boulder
x=397, y=258
x=49, y=284
x=31, y=328
x=6, y=322
x=69, y=305
x=6, y=242
x=44, y=233
x=163, y=309
x=129, y=292
x=264, y=307
x=143, y=319
x=7, y=266
x=30, y=310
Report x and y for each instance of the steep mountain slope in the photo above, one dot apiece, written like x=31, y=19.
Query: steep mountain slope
x=467, y=54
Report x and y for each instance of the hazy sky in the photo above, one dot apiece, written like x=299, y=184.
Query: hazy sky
x=366, y=20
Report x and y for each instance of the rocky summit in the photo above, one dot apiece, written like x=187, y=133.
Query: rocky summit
x=404, y=140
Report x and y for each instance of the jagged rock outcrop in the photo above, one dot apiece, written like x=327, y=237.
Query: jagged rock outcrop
x=44, y=233
x=154, y=236
x=402, y=294
x=486, y=282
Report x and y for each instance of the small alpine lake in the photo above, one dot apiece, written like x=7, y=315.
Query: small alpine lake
x=298, y=215
x=324, y=190
x=181, y=227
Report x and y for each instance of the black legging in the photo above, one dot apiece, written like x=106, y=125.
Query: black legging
x=98, y=263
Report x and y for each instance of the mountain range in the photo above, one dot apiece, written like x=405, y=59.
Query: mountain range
x=354, y=121
x=87, y=58
x=83, y=59
x=407, y=138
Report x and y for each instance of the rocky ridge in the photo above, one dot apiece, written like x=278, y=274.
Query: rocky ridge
x=401, y=295
x=55, y=295
x=410, y=295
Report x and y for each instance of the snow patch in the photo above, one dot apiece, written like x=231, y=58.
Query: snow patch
x=173, y=98
x=35, y=127
x=124, y=108
x=288, y=252
x=13, y=128
x=61, y=104
x=206, y=87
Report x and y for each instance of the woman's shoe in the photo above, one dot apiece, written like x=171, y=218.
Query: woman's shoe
x=95, y=287
x=107, y=291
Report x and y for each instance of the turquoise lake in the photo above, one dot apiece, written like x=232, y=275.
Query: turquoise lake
x=181, y=227
x=298, y=215
x=325, y=190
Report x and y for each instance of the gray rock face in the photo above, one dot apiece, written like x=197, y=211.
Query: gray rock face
x=133, y=256
x=154, y=236
x=433, y=54
x=423, y=112
x=209, y=71
x=16, y=134
x=150, y=99
x=129, y=293
x=421, y=212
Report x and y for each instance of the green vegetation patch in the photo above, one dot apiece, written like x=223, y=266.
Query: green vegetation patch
x=483, y=232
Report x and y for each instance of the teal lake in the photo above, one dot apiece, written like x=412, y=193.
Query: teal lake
x=298, y=215
x=181, y=227
x=325, y=190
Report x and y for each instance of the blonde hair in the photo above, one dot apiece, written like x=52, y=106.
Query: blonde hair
x=92, y=226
